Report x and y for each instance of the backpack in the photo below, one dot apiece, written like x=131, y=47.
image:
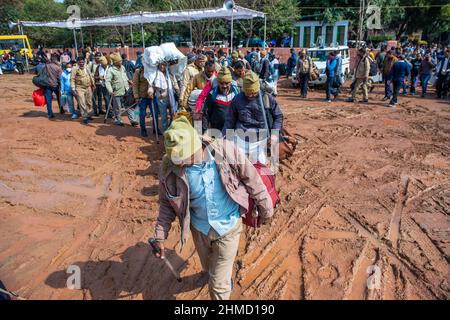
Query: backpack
x=373, y=68
x=41, y=80
x=268, y=178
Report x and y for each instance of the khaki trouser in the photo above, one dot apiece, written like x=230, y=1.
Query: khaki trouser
x=84, y=98
x=217, y=256
x=363, y=83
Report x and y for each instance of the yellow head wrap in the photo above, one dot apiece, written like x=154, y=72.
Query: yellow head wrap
x=251, y=83
x=181, y=140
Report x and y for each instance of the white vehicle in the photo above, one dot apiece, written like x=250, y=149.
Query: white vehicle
x=216, y=44
x=319, y=57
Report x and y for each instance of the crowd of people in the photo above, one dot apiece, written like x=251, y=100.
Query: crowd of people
x=206, y=181
x=399, y=67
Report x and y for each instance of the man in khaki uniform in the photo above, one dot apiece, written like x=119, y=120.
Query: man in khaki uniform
x=198, y=82
x=362, y=75
x=82, y=84
x=191, y=71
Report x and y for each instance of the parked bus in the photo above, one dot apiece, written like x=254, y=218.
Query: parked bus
x=7, y=42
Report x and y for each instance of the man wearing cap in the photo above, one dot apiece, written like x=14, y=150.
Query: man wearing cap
x=362, y=71
x=194, y=67
x=219, y=100
x=206, y=184
x=100, y=87
x=82, y=83
x=96, y=96
x=303, y=71
x=246, y=114
x=198, y=82
x=117, y=84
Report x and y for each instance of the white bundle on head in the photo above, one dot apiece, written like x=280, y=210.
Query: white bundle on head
x=171, y=53
x=152, y=57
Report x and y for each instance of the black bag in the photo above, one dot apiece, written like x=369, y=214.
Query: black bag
x=42, y=80
x=128, y=99
x=373, y=68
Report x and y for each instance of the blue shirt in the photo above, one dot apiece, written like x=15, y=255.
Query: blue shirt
x=400, y=70
x=65, y=82
x=210, y=204
x=331, y=67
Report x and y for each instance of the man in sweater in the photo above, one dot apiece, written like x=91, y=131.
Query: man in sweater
x=218, y=101
x=400, y=70
x=443, y=72
x=247, y=118
x=195, y=65
x=388, y=63
x=117, y=84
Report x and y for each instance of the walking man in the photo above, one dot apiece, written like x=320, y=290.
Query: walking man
x=443, y=70
x=209, y=197
x=330, y=71
x=400, y=70
x=303, y=71
x=140, y=92
x=82, y=84
x=117, y=83
x=361, y=75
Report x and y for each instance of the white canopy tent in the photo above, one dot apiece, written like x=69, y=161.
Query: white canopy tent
x=237, y=13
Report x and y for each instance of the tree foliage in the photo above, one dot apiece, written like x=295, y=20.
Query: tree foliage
x=430, y=16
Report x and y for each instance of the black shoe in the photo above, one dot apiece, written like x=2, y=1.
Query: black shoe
x=52, y=116
x=90, y=118
x=134, y=124
x=62, y=111
x=144, y=133
x=101, y=112
x=365, y=101
x=95, y=114
x=386, y=98
x=120, y=124
x=85, y=121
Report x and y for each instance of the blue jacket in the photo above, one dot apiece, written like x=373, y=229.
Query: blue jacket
x=247, y=114
x=65, y=82
x=331, y=68
x=400, y=70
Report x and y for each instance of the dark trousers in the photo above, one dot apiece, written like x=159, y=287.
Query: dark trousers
x=143, y=104
x=441, y=88
x=397, y=85
x=48, y=99
x=329, y=87
x=100, y=94
x=303, y=79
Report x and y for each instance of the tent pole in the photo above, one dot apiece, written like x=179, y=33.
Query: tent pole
x=232, y=21
x=132, y=43
x=82, y=40
x=265, y=31
x=75, y=39
x=143, y=39
x=190, y=30
x=24, y=47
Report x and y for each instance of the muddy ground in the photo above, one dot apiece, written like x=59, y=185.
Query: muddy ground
x=368, y=189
